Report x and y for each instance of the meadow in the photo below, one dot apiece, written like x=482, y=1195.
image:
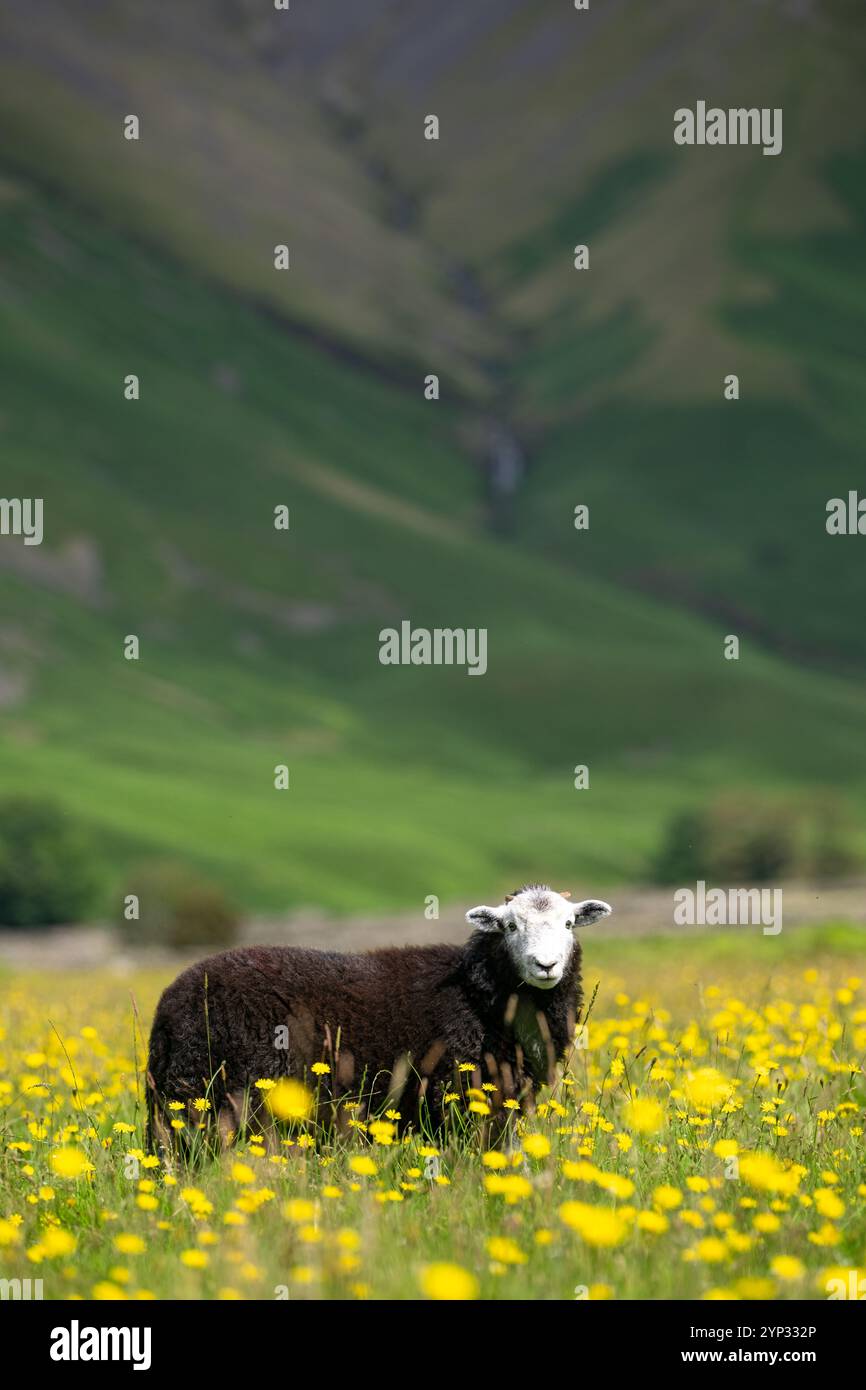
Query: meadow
x=706, y=1143
x=708, y=1140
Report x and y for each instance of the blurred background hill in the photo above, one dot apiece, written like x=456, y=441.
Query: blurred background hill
x=305, y=388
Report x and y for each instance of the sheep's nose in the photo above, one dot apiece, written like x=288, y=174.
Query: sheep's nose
x=540, y=965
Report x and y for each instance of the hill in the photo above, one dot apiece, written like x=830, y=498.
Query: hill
x=260, y=647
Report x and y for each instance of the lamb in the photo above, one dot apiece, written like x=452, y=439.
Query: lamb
x=392, y=1025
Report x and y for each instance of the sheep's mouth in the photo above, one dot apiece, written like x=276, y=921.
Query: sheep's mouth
x=544, y=981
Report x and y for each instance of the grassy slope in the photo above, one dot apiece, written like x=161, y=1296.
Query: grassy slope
x=401, y=775
x=404, y=782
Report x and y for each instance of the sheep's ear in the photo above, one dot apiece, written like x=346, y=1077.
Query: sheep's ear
x=485, y=918
x=592, y=910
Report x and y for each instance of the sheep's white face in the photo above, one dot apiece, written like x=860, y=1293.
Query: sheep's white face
x=537, y=926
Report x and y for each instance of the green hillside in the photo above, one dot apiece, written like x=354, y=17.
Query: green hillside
x=260, y=647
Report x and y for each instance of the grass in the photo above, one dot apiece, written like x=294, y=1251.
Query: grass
x=707, y=1142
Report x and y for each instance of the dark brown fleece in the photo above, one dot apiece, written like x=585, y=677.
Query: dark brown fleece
x=391, y=1024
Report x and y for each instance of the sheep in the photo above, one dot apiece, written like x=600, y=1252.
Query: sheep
x=391, y=1025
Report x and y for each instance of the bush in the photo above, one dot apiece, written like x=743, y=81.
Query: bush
x=830, y=838
x=750, y=840
x=741, y=838
x=683, y=855
x=179, y=908
x=47, y=874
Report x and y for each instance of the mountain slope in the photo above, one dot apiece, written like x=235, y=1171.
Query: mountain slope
x=261, y=647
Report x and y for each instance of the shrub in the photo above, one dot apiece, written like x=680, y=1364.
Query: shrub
x=684, y=850
x=750, y=840
x=743, y=838
x=829, y=842
x=179, y=908
x=47, y=874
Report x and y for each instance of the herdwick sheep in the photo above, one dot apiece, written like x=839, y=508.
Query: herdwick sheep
x=391, y=1025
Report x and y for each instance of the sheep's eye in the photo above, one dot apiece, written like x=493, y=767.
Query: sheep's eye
x=512, y=926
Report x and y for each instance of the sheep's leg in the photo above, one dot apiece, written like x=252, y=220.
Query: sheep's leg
x=162, y=1138
x=265, y=1126
x=159, y=1138
x=232, y=1119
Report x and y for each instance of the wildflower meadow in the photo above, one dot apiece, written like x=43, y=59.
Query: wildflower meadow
x=705, y=1140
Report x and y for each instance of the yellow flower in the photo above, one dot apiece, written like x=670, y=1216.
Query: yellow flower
x=644, y=1115
x=289, y=1100
x=199, y=1204
x=711, y=1250
x=55, y=1241
x=828, y=1203
x=70, y=1163
x=827, y=1235
x=511, y=1186
x=707, y=1088
x=697, y=1185
x=129, y=1244
x=505, y=1251
x=652, y=1221
x=725, y=1148
x=757, y=1289
x=787, y=1267
x=599, y=1226
x=448, y=1282
x=600, y=1293
x=536, y=1145
x=9, y=1232
x=766, y=1222
x=667, y=1197
x=320, y=1069
x=363, y=1166
x=298, y=1210
x=616, y=1184
x=580, y=1171
x=767, y=1174
x=194, y=1259
x=382, y=1131
x=494, y=1159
